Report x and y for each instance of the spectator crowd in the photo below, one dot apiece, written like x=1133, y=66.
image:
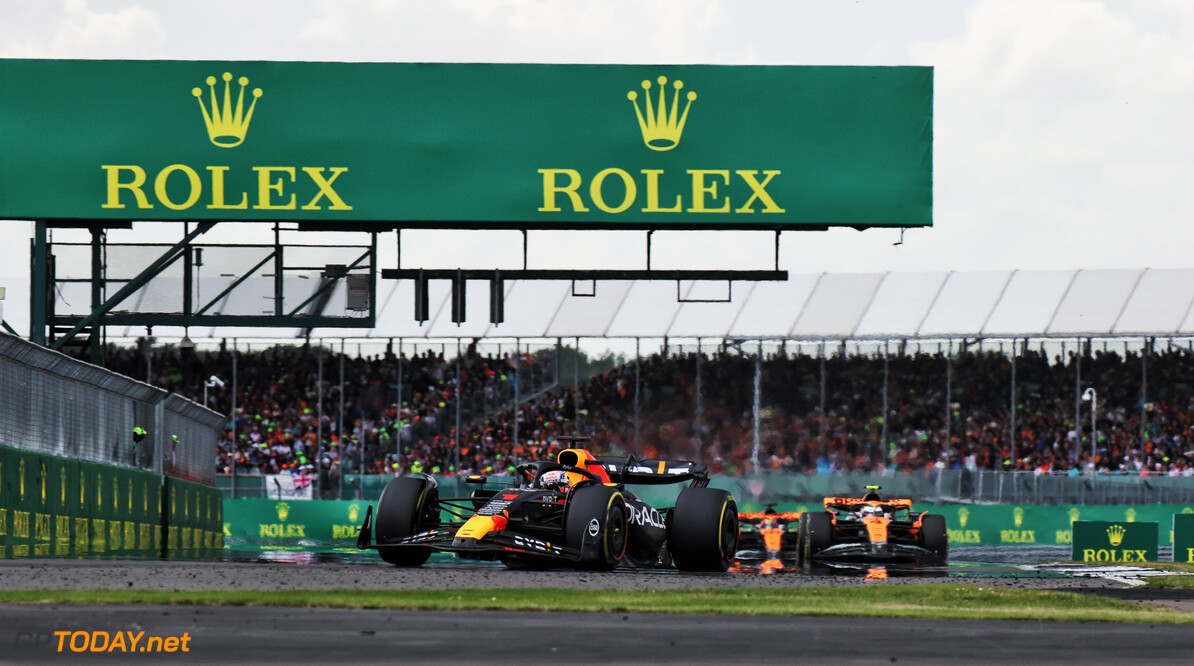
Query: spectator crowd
x=651, y=407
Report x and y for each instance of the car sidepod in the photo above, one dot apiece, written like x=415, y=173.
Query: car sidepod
x=646, y=535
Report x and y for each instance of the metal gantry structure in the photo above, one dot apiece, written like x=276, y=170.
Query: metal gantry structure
x=159, y=284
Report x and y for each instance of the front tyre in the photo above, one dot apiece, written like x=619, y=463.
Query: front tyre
x=703, y=532
x=596, y=525
x=405, y=508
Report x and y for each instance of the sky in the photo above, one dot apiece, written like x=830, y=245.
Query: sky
x=1062, y=128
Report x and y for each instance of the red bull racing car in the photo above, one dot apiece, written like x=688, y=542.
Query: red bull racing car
x=871, y=529
x=574, y=511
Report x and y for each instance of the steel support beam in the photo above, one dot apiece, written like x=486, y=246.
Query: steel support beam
x=569, y=274
x=39, y=286
x=97, y=291
x=255, y=321
x=169, y=257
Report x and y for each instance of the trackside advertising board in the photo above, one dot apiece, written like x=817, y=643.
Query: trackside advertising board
x=1183, y=538
x=478, y=145
x=1103, y=541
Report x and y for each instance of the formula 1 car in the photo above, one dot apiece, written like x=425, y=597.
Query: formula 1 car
x=871, y=529
x=574, y=511
x=768, y=536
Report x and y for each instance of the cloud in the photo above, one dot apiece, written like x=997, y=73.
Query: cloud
x=510, y=31
x=1062, y=134
x=72, y=30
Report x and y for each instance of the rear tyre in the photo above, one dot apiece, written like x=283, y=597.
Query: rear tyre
x=405, y=508
x=816, y=534
x=596, y=525
x=933, y=535
x=703, y=532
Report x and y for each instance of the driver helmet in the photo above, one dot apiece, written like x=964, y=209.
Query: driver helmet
x=871, y=510
x=556, y=478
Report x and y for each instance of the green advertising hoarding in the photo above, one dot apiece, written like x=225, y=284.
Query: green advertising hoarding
x=1104, y=541
x=1183, y=537
x=478, y=145
x=289, y=523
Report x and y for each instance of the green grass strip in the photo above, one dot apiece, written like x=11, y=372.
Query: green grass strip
x=903, y=601
x=1169, y=582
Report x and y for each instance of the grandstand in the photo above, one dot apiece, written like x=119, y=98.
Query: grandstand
x=742, y=383
x=1147, y=303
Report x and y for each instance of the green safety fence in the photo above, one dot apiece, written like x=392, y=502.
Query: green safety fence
x=192, y=520
x=334, y=523
x=58, y=507
x=368, y=487
x=1014, y=525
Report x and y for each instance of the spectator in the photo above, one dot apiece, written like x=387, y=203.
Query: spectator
x=278, y=426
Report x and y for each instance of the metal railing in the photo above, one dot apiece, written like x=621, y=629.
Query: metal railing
x=999, y=487
x=53, y=404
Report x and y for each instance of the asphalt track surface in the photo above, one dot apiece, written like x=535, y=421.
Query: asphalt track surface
x=279, y=635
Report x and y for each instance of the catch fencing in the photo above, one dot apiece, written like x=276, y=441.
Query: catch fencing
x=54, y=405
x=782, y=489
x=998, y=487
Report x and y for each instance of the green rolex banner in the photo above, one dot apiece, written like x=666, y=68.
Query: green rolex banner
x=1118, y=542
x=497, y=145
x=292, y=523
x=1183, y=537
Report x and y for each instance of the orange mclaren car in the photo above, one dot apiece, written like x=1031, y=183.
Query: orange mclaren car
x=871, y=529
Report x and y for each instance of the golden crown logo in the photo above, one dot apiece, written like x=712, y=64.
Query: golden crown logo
x=353, y=512
x=227, y=127
x=1074, y=513
x=1018, y=516
x=283, y=511
x=963, y=516
x=1130, y=515
x=661, y=130
x=1115, y=534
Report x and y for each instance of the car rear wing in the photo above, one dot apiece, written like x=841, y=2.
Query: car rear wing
x=855, y=503
x=628, y=469
x=756, y=516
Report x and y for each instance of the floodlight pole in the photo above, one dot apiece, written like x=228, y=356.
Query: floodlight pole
x=1078, y=393
x=821, y=408
x=340, y=422
x=235, y=444
x=319, y=419
x=1093, y=397
x=949, y=393
x=883, y=419
x=398, y=412
x=459, y=442
x=700, y=409
x=1012, y=406
x=517, y=396
x=638, y=442
x=756, y=410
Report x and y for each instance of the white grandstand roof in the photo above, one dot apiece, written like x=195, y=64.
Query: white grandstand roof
x=996, y=304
